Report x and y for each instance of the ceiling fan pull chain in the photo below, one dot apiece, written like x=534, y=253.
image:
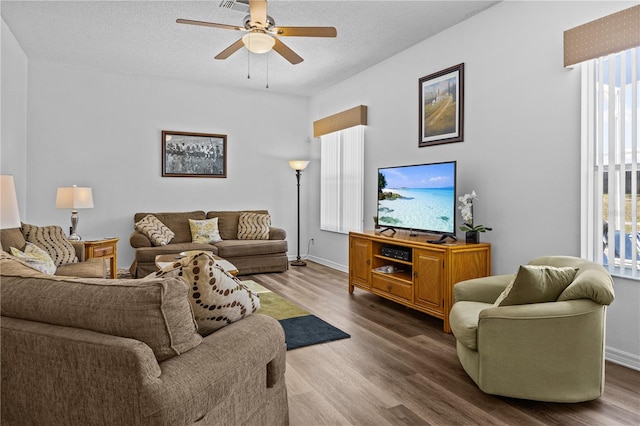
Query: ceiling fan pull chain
x=248, y=64
x=267, y=70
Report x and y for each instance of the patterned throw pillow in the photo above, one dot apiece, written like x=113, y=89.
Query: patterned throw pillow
x=52, y=240
x=36, y=258
x=253, y=226
x=156, y=231
x=204, y=231
x=217, y=298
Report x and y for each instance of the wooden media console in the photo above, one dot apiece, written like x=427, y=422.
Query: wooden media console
x=421, y=275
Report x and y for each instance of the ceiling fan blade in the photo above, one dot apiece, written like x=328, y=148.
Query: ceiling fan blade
x=230, y=50
x=209, y=24
x=305, y=31
x=286, y=52
x=258, y=11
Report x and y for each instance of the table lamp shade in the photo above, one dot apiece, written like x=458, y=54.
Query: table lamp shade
x=9, y=214
x=74, y=197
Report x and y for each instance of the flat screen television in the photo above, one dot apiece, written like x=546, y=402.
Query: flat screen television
x=419, y=197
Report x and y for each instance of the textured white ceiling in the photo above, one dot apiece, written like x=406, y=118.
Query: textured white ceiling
x=142, y=37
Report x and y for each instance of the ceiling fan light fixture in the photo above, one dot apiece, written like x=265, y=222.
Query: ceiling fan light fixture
x=258, y=42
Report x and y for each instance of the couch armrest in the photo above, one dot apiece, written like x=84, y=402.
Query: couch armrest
x=79, y=247
x=74, y=376
x=138, y=239
x=485, y=289
x=277, y=233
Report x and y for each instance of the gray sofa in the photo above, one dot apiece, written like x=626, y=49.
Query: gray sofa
x=79, y=351
x=248, y=256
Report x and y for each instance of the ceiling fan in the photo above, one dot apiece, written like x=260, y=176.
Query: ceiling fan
x=261, y=32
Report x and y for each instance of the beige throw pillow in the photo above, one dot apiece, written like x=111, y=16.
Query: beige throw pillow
x=205, y=231
x=156, y=231
x=52, y=240
x=36, y=258
x=217, y=298
x=536, y=284
x=253, y=226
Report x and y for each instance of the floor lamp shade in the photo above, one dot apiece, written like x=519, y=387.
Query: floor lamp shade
x=9, y=213
x=74, y=198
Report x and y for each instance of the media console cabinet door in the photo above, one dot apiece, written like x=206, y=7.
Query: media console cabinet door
x=429, y=278
x=360, y=263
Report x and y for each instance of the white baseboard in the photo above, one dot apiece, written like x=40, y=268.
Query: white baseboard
x=623, y=358
x=333, y=265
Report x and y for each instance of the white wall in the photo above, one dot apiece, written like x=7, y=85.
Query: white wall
x=13, y=120
x=521, y=151
x=103, y=130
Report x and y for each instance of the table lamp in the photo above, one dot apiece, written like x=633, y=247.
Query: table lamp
x=9, y=214
x=74, y=198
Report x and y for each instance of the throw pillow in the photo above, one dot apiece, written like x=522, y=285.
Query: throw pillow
x=52, y=240
x=36, y=258
x=253, y=226
x=217, y=298
x=204, y=231
x=537, y=284
x=155, y=230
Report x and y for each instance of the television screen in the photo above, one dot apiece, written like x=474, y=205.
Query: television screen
x=419, y=197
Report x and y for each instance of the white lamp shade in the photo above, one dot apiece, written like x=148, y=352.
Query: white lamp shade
x=9, y=214
x=298, y=164
x=258, y=42
x=74, y=197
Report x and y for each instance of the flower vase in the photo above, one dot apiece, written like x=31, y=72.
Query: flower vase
x=472, y=237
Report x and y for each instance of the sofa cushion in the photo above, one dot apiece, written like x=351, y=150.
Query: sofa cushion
x=218, y=299
x=463, y=320
x=178, y=222
x=156, y=312
x=228, y=222
x=253, y=226
x=205, y=231
x=155, y=230
x=536, y=284
x=36, y=257
x=241, y=248
x=52, y=240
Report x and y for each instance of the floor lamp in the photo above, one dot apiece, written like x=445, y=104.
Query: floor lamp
x=298, y=166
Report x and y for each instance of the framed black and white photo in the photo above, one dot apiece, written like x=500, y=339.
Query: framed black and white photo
x=194, y=155
x=442, y=107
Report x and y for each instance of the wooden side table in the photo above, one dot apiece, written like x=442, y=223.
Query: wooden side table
x=106, y=248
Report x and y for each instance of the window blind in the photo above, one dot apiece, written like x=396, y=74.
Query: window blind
x=342, y=180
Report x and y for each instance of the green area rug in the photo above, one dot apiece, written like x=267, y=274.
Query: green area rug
x=300, y=327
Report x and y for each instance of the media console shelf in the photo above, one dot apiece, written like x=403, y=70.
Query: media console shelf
x=422, y=275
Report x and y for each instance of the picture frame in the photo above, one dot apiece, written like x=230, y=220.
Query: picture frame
x=186, y=154
x=441, y=106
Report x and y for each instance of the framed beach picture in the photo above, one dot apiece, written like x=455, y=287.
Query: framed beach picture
x=441, y=107
x=194, y=155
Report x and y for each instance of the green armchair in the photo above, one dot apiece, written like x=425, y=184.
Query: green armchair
x=552, y=351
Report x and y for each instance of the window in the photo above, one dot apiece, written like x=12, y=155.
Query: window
x=342, y=180
x=611, y=173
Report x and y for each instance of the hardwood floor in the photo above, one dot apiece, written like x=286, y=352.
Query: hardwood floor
x=399, y=368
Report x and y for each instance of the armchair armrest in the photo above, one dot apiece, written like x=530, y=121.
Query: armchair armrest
x=486, y=289
x=277, y=233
